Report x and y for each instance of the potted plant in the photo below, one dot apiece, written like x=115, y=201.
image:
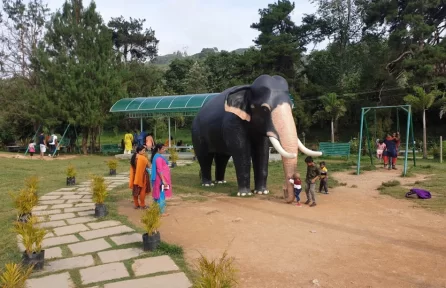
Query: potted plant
x=112, y=165
x=15, y=275
x=99, y=194
x=151, y=219
x=24, y=201
x=31, y=235
x=71, y=175
x=216, y=273
x=173, y=157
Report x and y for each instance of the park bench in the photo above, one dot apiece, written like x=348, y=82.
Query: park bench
x=15, y=148
x=111, y=149
x=334, y=149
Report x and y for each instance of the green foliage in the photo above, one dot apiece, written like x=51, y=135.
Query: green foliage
x=15, y=275
x=24, y=200
x=112, y=164
x=151, y=219
x=99, y=189
x=173, y=155
x=391, y=183
x=32, y=183
x=436, y=151
x=71, y=171
x=30, y=234
x=218, y=273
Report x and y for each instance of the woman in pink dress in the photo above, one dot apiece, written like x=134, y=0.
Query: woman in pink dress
x=160, y=173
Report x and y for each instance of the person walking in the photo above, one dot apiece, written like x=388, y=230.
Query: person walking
x=160, y=175
x=128, y=141
x=139, y=178
x=42, y=145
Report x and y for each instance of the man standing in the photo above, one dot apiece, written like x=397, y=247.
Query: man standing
x=53, y=143
x=42, y=145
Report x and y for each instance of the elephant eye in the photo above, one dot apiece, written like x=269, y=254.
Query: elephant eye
x=266, y=107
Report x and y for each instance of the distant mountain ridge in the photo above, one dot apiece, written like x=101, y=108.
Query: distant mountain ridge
x=166, y=59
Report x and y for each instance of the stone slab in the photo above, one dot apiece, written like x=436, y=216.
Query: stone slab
x=54, y=241
x=48, y=235
x=104, y=272
x=85, y=213
x=52, y=224
x=60, y=193
x=84, y=205
x=77, y=209
x=61, y=216
x=51, y=253
x=80, y=220
x=67, y=197
x=103, y=224
x=87, y=197
x=70, y=229
x=62, y=280
x=89, y=246
x=84, y=193
x=58, y=206
x=47, y=212
x=49, y=197
x=119, y=255
x=40, y=208
x=127, y=239
x=153, y=265
x=106, y=232
x=69, y=263
x=77, y=201
x=176, y=280
x=51, y=202
x=67, y=189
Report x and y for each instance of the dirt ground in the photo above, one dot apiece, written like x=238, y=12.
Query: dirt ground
x=353, y=238
x=35, y=157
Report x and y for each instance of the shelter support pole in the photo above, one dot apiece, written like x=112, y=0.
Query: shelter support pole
x=35, y=134
x=441, y=149
x=358, y=165
x=141, y=125
x=413, y=136
x=65, y=132
x=168, y=123
x=406, y=152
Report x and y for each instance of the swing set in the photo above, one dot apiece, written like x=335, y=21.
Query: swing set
x=60, y=143
x=409, y=133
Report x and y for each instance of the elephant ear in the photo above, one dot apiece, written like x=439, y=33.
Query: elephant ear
x=237, y=102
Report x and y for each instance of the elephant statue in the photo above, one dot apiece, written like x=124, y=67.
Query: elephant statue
x=238, y=122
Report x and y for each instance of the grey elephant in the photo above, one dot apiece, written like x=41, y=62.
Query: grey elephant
x=240, y=122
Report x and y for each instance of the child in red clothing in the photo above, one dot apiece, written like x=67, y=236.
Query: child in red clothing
x=297, y=187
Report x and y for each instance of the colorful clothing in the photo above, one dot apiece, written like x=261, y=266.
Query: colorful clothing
x=297, y=183
x=139, y=178
x=160, y=166
x=128, y=140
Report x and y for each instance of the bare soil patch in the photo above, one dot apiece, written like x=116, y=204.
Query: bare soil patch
x=353, y=238
x=35, y=157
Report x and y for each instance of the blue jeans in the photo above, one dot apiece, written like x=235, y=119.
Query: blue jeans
x=296, y=193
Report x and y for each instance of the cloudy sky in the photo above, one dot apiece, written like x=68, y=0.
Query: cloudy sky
x=194, y=24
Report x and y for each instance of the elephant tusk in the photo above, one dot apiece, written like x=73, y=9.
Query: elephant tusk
x=280, y=149
x=307, y=151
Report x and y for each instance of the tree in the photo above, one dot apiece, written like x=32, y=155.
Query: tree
x=334, y=108
x=176, y=74
x=132, y=41
x=422, y=101
x=196, y=80
x=81, y=80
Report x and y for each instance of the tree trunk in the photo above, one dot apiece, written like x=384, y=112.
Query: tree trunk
x=332, y=130
x=424, y=135
x=85, y=133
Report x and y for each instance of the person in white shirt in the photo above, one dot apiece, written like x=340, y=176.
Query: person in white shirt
x=53, y=143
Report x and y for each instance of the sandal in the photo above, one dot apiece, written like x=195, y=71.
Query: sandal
x=136, y=207
x=144, y=208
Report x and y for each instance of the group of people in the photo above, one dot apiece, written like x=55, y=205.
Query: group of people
x=314, y=173
x=149, y=175
x=132, y=141
x=43, y=142
x=387, y=149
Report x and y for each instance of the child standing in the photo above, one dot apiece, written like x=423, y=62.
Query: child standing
x=31, y=148
x=324, y=178
x=297, y=187
x=313, y=174
x=380, y=147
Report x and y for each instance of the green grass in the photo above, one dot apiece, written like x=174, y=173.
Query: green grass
x=435, y=184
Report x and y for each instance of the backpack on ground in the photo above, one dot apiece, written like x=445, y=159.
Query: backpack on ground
x=421, y=194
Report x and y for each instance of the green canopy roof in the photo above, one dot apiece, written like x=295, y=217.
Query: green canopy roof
x=186, y=105
x=166, y=105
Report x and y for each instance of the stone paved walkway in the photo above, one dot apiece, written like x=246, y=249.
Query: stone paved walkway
x=97, y=253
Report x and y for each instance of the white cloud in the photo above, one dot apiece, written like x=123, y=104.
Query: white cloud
x=194, y=24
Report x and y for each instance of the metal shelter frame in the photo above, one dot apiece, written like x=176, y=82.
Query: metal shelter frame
x=409, y=133
x=167, y=106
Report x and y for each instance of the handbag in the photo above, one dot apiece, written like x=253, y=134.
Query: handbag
x=162, y=200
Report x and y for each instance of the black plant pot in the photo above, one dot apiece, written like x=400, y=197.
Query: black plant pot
x=24, y=217
x=112, y=171
x=173, y=165
x=71, y=181
x=36, y=259
x=150, y=243
x=100, y=210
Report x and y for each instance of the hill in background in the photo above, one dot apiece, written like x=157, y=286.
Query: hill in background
x=166, y=59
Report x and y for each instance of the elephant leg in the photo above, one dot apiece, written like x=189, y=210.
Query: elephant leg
x=206, y=166
x=221, y=160
x=260, y=159
x=242, y=163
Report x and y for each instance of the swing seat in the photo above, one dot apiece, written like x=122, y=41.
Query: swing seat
x=334, y=149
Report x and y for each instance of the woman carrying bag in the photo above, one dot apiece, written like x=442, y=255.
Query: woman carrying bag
x=139, y=177
x=160, y=177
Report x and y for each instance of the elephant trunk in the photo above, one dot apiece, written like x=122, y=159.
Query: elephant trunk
x=283, y=122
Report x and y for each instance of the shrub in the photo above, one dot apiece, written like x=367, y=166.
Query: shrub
x=99, y=189
x=15, y=275
x=112, y=164
x=24, y=200
x=173, y=155
x=31, y=235
x=71, y=171
x=219, y=273
x=32, y=183
x=436, y=150
x=151, y=219
x=392, y=183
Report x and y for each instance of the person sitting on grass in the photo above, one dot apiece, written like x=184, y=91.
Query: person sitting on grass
x=297, y=183
x=313, y=174
x=324, y=178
